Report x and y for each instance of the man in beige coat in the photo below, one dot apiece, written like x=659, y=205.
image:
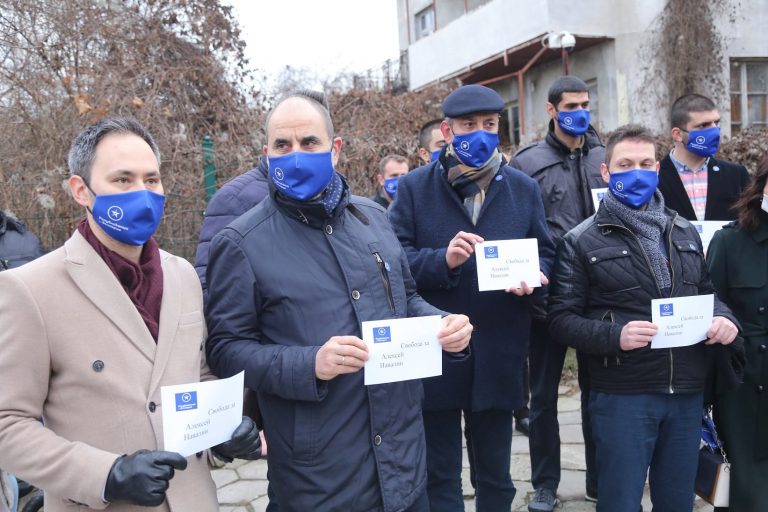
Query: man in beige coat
x=88, y=335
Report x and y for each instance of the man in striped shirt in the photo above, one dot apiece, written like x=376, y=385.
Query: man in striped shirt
x=693, y=182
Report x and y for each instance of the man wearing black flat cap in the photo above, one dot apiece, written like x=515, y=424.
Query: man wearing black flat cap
x=442, y=210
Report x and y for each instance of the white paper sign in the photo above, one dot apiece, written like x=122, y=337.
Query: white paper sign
x=682, y=321
x=706, y=229
x=597, y=196
x=402, y=349
x=503, y=264
x=199, y=415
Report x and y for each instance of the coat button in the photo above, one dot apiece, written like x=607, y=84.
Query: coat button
x=761, y=309
x=329, y=229
x=760, y=388
x=199, y=455
x=98, y=365
x=762, y=348
x=377, y=440
x=593, y=259
x=355, y=294
x=623, y=252
x=152, y=406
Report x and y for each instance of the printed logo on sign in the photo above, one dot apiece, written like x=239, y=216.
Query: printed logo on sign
x=700, y=139
x=464, y=145
x=279, y=174
x=600, y=196
x=186, y=401
x=666, y=310
x=115, y=212
x=699, y=228
x=381, y=334
x=491, y=252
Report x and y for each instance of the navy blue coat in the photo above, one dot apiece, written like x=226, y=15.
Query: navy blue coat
x=18, y=245
x=426, y=214
x=283, y=279
x=232, y=200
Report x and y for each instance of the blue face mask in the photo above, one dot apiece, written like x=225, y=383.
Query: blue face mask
x=129, y=217
x=301, y=176
x=390, y=186
x=475, y=148
x=704, y=142
x=435, y=154
x=573, y=122
x=634, y=188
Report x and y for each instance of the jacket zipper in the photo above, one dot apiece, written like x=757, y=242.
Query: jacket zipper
x=672, y=285
x=385, y=281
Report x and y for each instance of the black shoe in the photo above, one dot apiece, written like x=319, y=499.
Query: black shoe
x=521, y=426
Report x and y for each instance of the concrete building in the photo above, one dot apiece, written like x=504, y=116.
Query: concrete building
x=515, y=46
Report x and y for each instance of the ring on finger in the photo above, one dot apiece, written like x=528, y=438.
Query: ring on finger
x=343, y=358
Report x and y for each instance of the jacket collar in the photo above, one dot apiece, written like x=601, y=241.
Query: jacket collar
x=311, y=213
x=591, y=140
x=604, y=217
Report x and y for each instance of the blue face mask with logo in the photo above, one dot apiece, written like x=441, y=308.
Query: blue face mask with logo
x=704, y=142
x=300, y=175
x=475, y=148
x=635, y=187
x=129, y=217
x=390, y=186
x=574, y=122
x=435, y=154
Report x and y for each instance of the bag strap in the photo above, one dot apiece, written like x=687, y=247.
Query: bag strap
x=709, y=434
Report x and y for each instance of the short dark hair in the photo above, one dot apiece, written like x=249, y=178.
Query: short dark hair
x=565, y=84
x=396, y=158
x=316, y=98
x=749, y=204
x=681, y=110
x=83, y=148
x=426, y=131
x=634, y=132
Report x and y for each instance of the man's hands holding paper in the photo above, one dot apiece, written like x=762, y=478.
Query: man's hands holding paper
x=340, y=355
x=524, y=289
x=721, y=331
x=455, y=333
x=245, y=443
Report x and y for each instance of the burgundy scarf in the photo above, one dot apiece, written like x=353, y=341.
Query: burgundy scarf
x=143, y=282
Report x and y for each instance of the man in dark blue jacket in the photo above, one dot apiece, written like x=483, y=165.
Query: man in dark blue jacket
x=289, y=284
x=441, y=211
x=18, y=245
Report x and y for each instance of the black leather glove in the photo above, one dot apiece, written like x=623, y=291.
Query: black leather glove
x=244, y=444
x=142, y=477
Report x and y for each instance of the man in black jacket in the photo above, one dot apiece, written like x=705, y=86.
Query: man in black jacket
x=692, y=181
x=566, y=164
x=645, y=403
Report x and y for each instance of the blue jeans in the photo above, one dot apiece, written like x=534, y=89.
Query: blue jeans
x=491, y=450
x=635, y=432
x=546, y=358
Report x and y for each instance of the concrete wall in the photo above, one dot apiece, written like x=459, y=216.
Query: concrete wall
x=618, y=65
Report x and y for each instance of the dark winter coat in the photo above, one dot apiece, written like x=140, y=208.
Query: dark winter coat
x=18, y=245
x=283, y=279
x=426, y=214
x=566, y=178
x=725, y=181
x=602, y=280
x=738, y=263
x=228, y=203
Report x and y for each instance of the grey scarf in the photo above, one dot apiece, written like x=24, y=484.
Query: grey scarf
x=648, y=225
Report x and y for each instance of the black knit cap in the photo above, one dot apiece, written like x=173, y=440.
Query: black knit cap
x=471, y=99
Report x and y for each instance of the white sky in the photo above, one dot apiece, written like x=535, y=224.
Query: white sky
x=324, y=36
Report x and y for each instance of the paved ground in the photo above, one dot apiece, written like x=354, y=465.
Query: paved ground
x=242, y=486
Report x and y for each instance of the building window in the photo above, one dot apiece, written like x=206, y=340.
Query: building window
x=749, y=94
x=425, y=22
x=509, y=125
x=594, y=112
